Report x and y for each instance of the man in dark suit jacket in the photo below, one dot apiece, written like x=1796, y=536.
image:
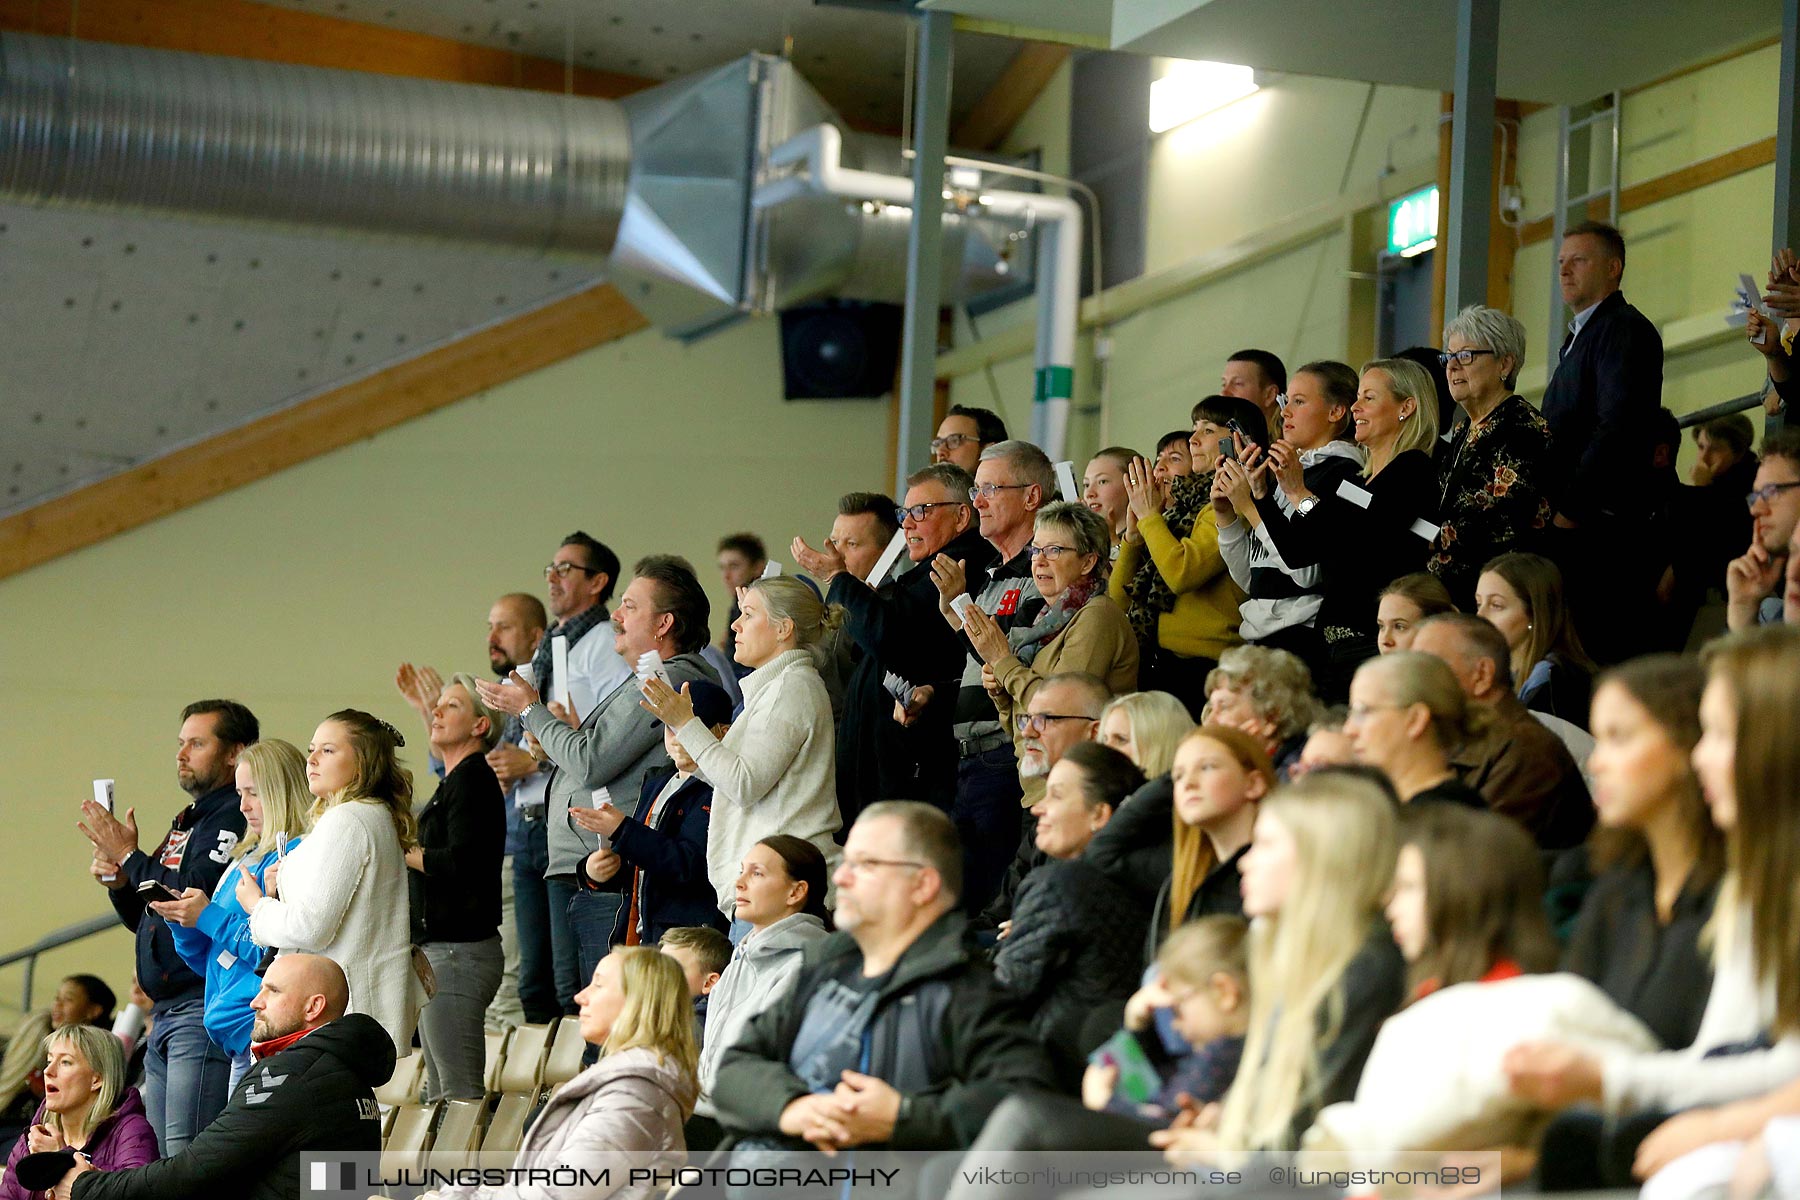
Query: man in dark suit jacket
x=1601, y=406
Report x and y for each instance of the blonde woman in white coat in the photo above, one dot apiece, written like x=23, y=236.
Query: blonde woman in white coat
x=775, y=770
x=627, y=1110
x=343, y=893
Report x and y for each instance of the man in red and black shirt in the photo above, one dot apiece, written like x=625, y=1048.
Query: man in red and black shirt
x=185, y=1075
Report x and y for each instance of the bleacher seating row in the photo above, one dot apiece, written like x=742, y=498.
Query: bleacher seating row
x=524, y=1065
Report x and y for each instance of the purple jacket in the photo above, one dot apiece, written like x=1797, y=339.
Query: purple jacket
x=123, y=1140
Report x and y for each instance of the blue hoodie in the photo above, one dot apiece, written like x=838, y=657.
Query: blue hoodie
x=220, y=948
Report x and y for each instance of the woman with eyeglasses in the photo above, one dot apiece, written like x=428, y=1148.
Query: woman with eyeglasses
x=1491, y=476
x=1407, y=716
x=1080, y=627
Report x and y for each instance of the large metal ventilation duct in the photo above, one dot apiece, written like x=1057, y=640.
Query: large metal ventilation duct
x=654, y=189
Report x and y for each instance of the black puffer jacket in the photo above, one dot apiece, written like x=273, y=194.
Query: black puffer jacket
x=314, y=1097
x=1137, y=847
x=943, y=1033
x=1074, y=944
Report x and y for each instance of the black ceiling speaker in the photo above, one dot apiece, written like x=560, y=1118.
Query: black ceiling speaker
x=839, y=349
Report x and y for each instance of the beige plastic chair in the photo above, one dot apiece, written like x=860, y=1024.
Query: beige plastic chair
x=563, y=1062
x=458, y=1134
x=506, y=1129
x=408, y=1139
x=402, y=1087
x=497, y=1044
x=524, y=1059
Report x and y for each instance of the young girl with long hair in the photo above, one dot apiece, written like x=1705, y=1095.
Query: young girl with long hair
x=343, y=893
x=1522, y=596
x=213, y=936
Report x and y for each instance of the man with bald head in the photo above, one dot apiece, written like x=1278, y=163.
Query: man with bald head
x=1519, y=766
x=310, y=1092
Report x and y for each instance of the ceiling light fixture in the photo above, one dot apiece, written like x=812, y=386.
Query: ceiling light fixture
x=1190, y=89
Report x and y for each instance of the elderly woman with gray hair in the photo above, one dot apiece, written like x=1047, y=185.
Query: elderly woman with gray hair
x=454, y=883
x=1492, y=473
x=1081, y=628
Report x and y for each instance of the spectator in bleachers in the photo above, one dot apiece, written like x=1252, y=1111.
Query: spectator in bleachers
x=453, y=878
x=1268, y=694
x=1079, y=629
x=1467, y=901
x=87, y=1107
x=781, y=896
x=1754, y=581
x=1722, y=450
x=1259, y=377
x=1327, y=745
x=1521, y=768
x=344, y=893
x=1604, y=388
x=1170, y=577
x=1403, y=606
x=1145, y=727
x=864, y=525
x=655, y=857
x=1708, y=523
x=1172, y=461
x=1135, y=846
x=774, y=770
x=1521, y=595
x=857, y=1060
x=1407, y=716
x=628, y=1108
x=184, y=1073
x=1066, y=950
x=1431, y=360
x=1749, y=1036
x=964, y=434
x=1368, y=532
x=1013, y=481
x=1324, y=970
x=617, y=743
x=741, y=558
x=213, y=935
x=1492, y=475
x=899, y=634
x=703, y=953
x=1221, y=776
x=1062, y=714
x=310, y=1093
x=22, y=1074
x=82, y=1000
x=1657, y=853
x=516, y=623
x=1284, y=601
x=1103, y=491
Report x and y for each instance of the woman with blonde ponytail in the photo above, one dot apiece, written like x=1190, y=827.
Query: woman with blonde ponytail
x=1324, y=970
x=775, y=770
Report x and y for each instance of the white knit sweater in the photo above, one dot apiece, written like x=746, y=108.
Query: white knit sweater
x=343, y=895
x=775, y=771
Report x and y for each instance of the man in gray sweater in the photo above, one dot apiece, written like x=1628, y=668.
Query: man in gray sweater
x=666, y=610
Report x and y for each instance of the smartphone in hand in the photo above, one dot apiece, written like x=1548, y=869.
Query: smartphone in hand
x=150, y=889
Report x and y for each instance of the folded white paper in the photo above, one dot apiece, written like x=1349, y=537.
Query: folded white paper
x=771, y=569
x=1425, y=529
x=888, y=558
x=1355, y=495
x=559, y=670
x=1065, y=479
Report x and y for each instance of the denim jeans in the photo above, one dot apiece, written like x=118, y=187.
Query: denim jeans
x=184, y=1075
x=240, y=1067
x=987, y=817
x=503, y=1012
x=536, y=922
x=574, y=967
x=591, y=916
x=450, y=1026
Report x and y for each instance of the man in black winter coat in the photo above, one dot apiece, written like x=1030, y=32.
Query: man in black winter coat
x=311, y=1092
x=899, y=632
x=904, y=1040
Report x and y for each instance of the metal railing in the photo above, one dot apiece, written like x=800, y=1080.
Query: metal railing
x=52, y=941
x=1726, y=408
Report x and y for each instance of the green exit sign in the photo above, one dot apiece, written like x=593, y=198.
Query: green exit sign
x=1412, y=223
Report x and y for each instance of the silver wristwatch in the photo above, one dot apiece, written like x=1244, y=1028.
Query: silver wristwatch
x=1306, y=505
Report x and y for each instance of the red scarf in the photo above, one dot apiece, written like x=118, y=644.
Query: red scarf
x=262, y=1050
x=1506, y=968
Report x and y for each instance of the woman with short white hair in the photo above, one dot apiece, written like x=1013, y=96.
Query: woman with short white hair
x=1491, y=476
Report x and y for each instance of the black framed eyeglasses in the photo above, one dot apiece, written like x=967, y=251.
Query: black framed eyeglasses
x=917, y=511
x=1465, y=357
x=953, y=441
x=1768, y=492
x=1036, y=722
x=561, y=570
